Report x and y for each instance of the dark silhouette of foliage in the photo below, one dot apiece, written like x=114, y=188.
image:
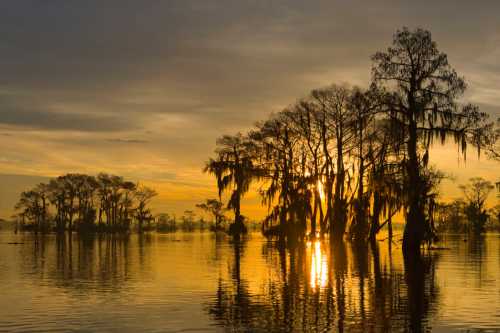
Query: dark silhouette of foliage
x=346, y=160
x=476, y=192
x=188, y=220
x=422, y=107
x=85, y=203
x=143, y=196
x=234, y=170
x=165, y=223
x=216, y=209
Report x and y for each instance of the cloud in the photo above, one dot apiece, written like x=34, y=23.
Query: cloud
x=41, y=119
x=222, y=63
x=126, y=141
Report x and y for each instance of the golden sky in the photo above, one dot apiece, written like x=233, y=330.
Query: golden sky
x=143, y=88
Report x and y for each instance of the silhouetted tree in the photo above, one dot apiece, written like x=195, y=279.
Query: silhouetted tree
x=33, y=205
x=307, y=121
x=79, y=200
x=495, y=211
x=216, y=208
x=491, y=140
x=165, y=223
x=363, y=105
x=476, y=192
x=233, y=169
x=350, y=157
x=188, y=220
x=333, y=102
x=422, y=107
x=385, y=178
x=285, y=191
x=450, y=216
x=143, y=196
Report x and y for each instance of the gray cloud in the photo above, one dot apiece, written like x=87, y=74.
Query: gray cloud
x=222, y=63
x=50, y=120
x=119, y=140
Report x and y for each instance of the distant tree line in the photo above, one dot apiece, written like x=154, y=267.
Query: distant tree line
x=469, y=214
x=107, y=203
x=85, y=203
x=190, y=221
x=344, y=160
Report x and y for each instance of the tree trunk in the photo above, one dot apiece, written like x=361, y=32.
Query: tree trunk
x=314, y=214
x=238, y=227
x=71, y=213
x=337, y=229
x=389, y=226
x=375, y=225
x=415, y=221
x=360, y=226
x=329, y=210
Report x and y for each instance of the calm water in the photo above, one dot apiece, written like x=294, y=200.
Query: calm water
x=198, y=282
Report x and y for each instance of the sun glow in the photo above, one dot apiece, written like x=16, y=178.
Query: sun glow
x=321, y=190
x=319, y=266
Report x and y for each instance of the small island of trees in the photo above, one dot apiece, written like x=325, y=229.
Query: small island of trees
x=106, y=203
x=79, y=202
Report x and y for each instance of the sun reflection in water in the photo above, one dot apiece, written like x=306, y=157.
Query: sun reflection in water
x=319, y=266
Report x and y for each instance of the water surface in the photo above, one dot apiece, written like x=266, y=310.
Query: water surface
x=197, y=282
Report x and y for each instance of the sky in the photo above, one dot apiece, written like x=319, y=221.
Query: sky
x=143, y=88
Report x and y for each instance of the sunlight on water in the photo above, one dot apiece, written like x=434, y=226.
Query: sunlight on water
x=203, y=282
x=319, y=265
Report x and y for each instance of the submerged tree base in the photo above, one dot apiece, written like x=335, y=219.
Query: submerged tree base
x=237, y=229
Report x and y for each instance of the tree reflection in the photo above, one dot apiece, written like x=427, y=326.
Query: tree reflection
x=323, y=286
x=81, y=262
x=421, y=290
x=233, y=305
